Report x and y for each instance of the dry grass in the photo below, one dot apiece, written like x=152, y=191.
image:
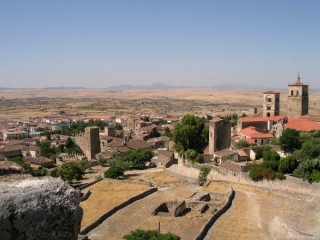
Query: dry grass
x=107, y=194
x=260, y=214
x=22, y=103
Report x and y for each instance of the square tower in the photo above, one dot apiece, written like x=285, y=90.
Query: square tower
x=219, y=135
x=92, y=142
x=298, y=99
x=271, y=104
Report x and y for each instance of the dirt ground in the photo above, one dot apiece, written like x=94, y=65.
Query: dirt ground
x=107, y=194
x=24, y=103
x=138, y=214
x=260, y=214
x=254, y=214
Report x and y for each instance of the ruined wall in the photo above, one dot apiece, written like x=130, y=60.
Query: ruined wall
x=291, y=185
x=39, y=208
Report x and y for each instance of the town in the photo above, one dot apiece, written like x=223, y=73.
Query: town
x=178, y=168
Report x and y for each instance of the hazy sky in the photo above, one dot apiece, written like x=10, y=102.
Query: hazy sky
x=100, y=43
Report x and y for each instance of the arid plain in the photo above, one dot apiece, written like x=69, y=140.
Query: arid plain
x=22, y=103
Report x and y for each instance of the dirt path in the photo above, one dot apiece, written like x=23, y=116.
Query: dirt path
x=259, y=214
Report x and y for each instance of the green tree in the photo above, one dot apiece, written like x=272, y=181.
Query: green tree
x=150, y=235
x=203, y=174
x=138, y=157
x=191, y=133
x=307, y=169
x=46, y=150
x=114, y=172
x=242, y=144
x=70, y=171
x=310, y=149
x=290, y=140
x=191, y=155
x=288, y=165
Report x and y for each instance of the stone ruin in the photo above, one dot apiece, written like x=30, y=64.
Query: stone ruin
x=199, y=202
x=39, y=208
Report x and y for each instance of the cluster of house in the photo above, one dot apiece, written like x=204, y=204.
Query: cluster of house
x=143, y=133
x=261, y=127
x=94, y=143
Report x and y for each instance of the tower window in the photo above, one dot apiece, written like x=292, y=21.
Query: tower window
x=291, y=92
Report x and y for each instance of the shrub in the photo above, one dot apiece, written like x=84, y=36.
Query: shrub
x=114, y=172
x=150, y=235
x=203, y=174
x=70, y=171
x=287, y=165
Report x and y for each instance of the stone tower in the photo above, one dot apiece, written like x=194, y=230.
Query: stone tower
x=298, y=99
x=219, y=135
x=92, y=142
x=271, y=104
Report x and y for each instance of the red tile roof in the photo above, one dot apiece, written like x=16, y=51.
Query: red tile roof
x=302, y=124
x=261, y=119
x=251, y=132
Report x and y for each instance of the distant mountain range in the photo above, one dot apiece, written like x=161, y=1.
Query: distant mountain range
x=151, y=86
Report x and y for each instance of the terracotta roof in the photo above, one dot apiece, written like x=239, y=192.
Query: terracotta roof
x=249, y=140
x=224, y=153
x=165, y=152
x=261, y=119
x=231, y=166
x=302, y=124
x=251, y=132
x=242, y=153
x=137, y=144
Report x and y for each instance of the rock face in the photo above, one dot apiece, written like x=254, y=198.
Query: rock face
x=39, y=208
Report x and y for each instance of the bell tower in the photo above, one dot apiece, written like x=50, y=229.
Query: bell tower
x=298, y=99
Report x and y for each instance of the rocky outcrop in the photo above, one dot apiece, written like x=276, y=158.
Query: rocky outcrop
x=39, y=208
x=7, y=167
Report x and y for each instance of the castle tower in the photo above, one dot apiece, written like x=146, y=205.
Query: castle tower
x=271, y=104
x=298, y=99
x=219, y=135
x=92, y=142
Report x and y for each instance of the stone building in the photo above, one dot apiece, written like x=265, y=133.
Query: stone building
x=298, y=99
x=219, y=135
x=271, y=104
x=92, y=142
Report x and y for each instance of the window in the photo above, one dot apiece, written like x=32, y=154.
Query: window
x=268, y=107
x=291, y=92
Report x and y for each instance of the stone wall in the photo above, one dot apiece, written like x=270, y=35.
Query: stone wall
x=39, y=208
x=117, y=208
x=291, y=185
x=204, y=230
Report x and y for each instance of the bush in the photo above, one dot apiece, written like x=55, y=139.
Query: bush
x=242, y=144
x=307, y=170
x=191, y=155
x=150, y=235
x=287, y=165
x=203, y=174
x=114, y=172
x=70, y=171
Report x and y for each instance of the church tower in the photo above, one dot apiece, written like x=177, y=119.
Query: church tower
x=298, y=99
x=271, y=104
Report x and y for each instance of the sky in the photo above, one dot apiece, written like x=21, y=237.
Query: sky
x=102, y=43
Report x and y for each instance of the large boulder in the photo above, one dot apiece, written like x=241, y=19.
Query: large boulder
x=39, y=208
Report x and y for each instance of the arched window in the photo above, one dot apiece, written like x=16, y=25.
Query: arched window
x=268, y=114
x=291, y=92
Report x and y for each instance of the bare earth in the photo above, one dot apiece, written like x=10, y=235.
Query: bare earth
x=24, y=103
x=107, y=194
x=260, y=214
x=254, y=214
